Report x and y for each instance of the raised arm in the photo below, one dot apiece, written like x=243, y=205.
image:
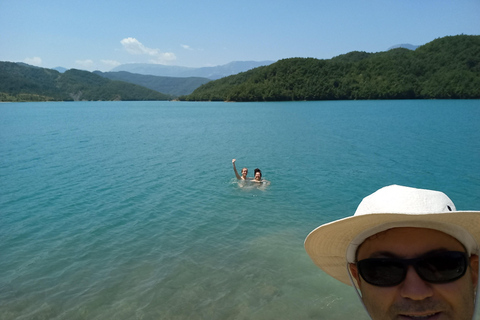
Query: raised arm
x=235, y=169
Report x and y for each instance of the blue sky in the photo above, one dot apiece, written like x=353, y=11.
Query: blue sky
x=100, y=34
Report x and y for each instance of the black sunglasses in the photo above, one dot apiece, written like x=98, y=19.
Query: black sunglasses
x=437, y=267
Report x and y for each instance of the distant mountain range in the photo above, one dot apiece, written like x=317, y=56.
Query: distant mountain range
x=446, y=68
x=168, y=85
x=23, y=82
x=211, y=73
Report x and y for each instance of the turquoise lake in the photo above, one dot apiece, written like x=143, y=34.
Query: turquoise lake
x=131, y=210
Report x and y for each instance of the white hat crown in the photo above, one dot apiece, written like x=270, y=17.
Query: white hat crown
x=405, y=200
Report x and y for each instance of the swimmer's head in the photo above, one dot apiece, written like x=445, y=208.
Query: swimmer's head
x=244, y=172
x=258, y=174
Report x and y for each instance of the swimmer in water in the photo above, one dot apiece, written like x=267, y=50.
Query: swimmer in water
x=258, y=177
x=244, y=172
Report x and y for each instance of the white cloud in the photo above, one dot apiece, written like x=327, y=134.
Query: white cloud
x=186, y=47
x=111, y=63
x=87, y=64
x=133, y=46
x=35, y=61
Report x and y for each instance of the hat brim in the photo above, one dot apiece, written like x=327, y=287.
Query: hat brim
x=327, y=245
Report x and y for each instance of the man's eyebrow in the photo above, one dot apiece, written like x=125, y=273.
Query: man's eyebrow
x=383, y=254
x=389, y=254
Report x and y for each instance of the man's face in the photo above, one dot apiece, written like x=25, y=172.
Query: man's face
x=244, y=172
x=415, y=298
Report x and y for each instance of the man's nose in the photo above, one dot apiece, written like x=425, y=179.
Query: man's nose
x=413, y=287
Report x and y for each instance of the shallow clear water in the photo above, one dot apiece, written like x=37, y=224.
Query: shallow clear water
x=130, y=210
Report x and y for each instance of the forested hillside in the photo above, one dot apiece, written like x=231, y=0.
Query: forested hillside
x=446, y=68
x=21, y=82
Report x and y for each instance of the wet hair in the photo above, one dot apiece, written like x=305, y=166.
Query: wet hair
x=257, y=170
x=244, y=169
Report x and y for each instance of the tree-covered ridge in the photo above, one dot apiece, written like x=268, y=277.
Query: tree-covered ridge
x=446, y=68
x=20, y=82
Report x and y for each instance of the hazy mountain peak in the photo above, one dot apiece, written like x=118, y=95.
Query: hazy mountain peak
x=215, y=72
x=405, y=46
x=60, y=69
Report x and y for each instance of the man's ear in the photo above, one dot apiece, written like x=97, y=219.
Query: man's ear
x=354, y=272
x=474, y=269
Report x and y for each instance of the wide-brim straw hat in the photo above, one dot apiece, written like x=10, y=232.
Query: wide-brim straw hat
x=333, y=245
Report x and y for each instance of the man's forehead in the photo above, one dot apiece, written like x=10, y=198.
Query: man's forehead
x=408, y=241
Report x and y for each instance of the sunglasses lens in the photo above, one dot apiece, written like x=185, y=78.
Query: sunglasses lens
x=442, y=267
x=382, y=272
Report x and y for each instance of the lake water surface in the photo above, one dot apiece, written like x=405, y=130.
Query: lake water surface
x=130, y=210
